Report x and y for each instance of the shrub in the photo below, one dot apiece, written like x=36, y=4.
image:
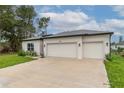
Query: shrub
x=122, y=54
x=31, y=53
x=5, y=48
x=108, y=57
x=21, y=53
x=120, y=50
x=27, y=53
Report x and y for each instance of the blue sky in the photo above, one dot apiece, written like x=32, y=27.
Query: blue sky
x=74, y=17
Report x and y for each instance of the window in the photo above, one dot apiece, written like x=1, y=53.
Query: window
x=30, y=47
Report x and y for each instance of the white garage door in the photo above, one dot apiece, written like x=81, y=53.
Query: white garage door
x=93, y=50
x=62, y=50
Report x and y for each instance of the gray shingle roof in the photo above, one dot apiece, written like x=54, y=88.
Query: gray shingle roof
x=32, y=38
x=80, y=32
x=73, y=33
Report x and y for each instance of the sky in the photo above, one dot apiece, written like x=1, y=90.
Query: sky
x=91, y=17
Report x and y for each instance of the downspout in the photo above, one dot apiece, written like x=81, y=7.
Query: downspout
x=42, y=50
x=110, y=44
x=82, y=47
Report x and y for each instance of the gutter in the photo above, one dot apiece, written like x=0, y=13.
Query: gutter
x=52, y=36
x=78, y=35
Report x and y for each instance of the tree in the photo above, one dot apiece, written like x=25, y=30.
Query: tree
x=16, y=23
x=43, y=23
x=7, y=25
x=120, y=39
x=25, y=16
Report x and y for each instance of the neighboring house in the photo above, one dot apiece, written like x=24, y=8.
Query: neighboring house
x=71, y=44
x=115, y=46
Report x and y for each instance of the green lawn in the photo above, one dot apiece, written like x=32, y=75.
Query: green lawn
x=115, y=70
x=12, y=59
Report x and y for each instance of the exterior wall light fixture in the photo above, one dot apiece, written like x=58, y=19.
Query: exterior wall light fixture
x=79, y=44
x=107, y=44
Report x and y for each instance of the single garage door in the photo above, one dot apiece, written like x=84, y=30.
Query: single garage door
x=62, y=50
x=93, y=50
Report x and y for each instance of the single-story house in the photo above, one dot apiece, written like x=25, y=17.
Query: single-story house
x=115, y=46
x=71, y=44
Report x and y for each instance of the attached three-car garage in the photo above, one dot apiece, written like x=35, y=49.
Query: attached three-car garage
x=70, y=50
x=94, y=47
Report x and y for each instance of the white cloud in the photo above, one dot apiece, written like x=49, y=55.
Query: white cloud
x=70, y=20
x=91, y=24
x=74, y=20
x=119, y=9
x=115, y=25
x=118, y=33
x=67, y=17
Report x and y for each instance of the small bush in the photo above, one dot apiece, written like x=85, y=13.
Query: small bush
x=27, y=53
x=120, y=50
x=31, y=53
x=5, y=48
x=108, y=57
x=122, y=54
x=21, y=53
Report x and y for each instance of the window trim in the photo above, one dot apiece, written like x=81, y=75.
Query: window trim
x=30, y=46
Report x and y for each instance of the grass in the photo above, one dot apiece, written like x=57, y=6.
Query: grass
x=12, y=59
x=115, y=70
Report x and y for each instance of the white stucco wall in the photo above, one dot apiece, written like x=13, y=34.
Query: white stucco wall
x=76, y=39
x=37, y=45
x=114, y=47
x=121, y=46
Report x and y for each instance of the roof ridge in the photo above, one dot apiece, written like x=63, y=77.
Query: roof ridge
x=82, y=30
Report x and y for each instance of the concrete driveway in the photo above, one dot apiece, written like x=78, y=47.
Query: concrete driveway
x=55, y=73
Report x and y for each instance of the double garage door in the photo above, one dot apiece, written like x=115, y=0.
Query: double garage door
x=70, y=50
x=62, y=50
